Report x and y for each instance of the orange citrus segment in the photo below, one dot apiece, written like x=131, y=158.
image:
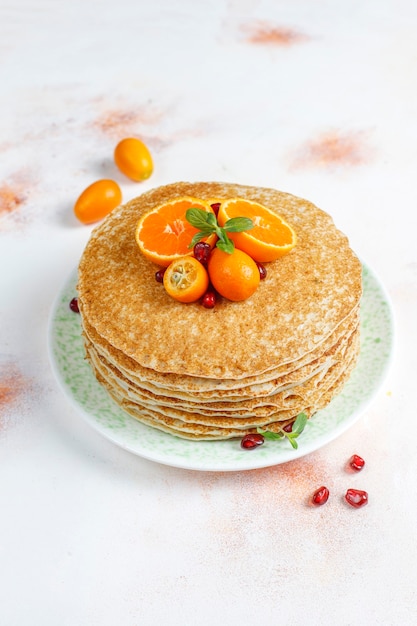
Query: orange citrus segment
x=186, y=280
x=235, y=276
x=270, y=238
x=164, y=234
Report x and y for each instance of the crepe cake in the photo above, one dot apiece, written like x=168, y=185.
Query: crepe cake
x=215, y=374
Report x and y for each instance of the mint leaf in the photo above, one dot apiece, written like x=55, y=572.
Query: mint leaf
x=268, y=434
x=198, y=237
x=297, y=428
x=238, y=224
x=299, y=423
x=206, y=223
x=199, y=218
x=226, y=246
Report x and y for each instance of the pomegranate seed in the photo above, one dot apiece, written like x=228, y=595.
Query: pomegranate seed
x=159, y=276
x=251, y=441
x=73, y=305
x=356, y=462
x=288, y=428
x=356, y=498
x=209, y=300
x=202, y=252
x=215, y=206
x=320, y=496
x=262, y=270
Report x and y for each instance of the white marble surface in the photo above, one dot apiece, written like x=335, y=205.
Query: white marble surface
x=317, y=98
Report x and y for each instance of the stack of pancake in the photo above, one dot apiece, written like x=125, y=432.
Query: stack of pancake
x=219, y=373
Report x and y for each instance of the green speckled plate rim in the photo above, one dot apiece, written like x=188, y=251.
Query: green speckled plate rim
x=92, y=401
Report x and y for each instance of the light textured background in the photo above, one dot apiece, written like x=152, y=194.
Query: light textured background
x=313, y=97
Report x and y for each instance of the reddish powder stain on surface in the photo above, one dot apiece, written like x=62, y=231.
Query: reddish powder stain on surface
x=266, y=34
x=119, y=123
x=333, y=149
x=14, y=387
x=11, y=197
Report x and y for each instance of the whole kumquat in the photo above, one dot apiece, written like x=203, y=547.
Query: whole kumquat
x=97, y=200
x=133, y=159
x=186, y=280
x=235, y=276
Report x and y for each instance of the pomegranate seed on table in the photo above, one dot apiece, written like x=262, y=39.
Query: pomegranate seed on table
x=73, y=305
x=356, y=462
x=251, y=441
x=320, y=496
x=356, y=498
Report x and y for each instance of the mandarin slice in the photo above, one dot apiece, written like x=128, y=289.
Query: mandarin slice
x=164, y=234
x=269, y=239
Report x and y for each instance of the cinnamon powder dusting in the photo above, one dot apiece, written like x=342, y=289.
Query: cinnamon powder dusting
x=11, y=197
x=123, y=122
x=333, y=148
x=263, y=33
x=14, y=386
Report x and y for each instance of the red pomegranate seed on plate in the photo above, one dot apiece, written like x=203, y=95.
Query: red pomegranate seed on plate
x=251, y=441
x=73, y=305
x=356, y=462
x=356, y=498
x=320, y=496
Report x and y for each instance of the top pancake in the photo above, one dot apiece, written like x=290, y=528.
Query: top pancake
x=305, y=297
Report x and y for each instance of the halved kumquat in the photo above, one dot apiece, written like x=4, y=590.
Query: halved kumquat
x=164, y=234
x=186, y=280
x=269, y=239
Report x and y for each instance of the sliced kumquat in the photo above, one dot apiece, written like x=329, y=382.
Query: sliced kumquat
x=235, y=276
x=269, y=239
x=186, y=280
x=164, y=234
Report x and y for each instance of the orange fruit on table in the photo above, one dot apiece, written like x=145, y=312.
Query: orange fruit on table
x=270, y=238
x=164, y=234
x=97, y=200
x=186, y=279
x=235, y=276
x=133, y=158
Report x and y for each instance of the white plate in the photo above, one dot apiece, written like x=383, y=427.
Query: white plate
x=91, y=399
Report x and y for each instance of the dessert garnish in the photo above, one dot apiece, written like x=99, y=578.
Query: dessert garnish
x=207, y=225
x=203, y=229
x=186, y=279
x=297, y=428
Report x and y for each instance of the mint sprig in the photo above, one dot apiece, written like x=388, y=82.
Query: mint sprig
x=297, y=428
x=207, y=225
